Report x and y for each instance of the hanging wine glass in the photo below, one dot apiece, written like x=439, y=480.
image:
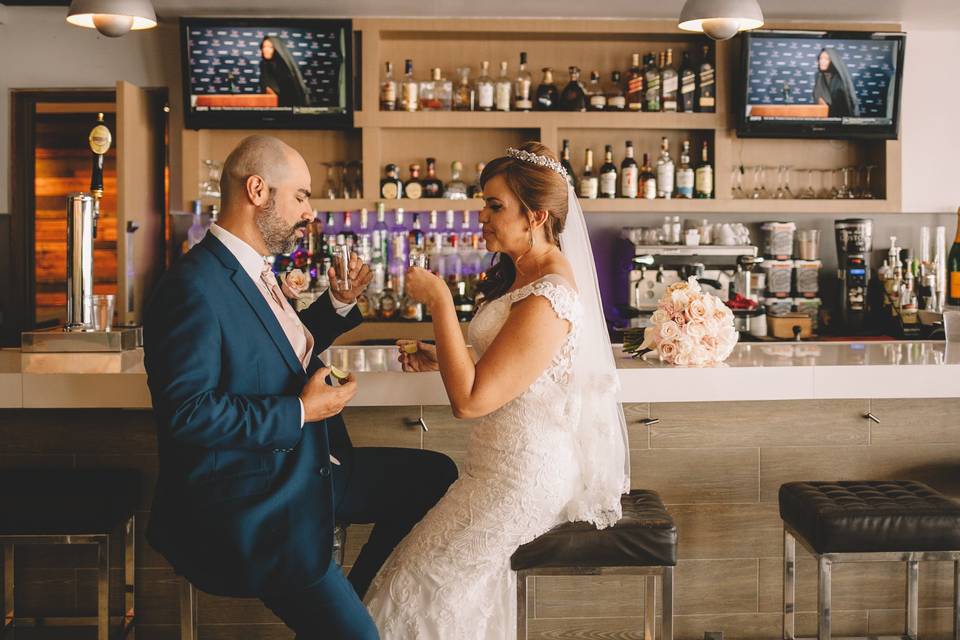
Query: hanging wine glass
x=736, y=180
x=867, y=184
x=835, y=181
x=325, y=172
x=756, y=192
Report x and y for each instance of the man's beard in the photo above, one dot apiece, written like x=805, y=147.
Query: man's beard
x=278, y=238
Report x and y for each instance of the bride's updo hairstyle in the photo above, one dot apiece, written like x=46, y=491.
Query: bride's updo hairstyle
x=538, y=189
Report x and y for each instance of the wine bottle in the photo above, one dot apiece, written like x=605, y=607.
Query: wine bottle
x=548, y=96
x=629, y=174
x=648, y=179
x=565, y=163
x=573, y=98
x=685, y=173
x=953, y=269
x=703, y=187
x=598, y=99
x=523, y=87
x=665, y=171
x=608, y=174
x=589, y=185
x=635, y=85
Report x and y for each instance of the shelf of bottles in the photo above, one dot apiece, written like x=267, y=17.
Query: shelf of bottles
x=652, y=84
x=385, y=239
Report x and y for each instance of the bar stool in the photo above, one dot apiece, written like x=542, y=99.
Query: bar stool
x=643, y=542
x=71, y=506
x=188, y=593
x=868, y=521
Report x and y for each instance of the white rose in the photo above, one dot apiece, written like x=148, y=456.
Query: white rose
x=685, y=345
x=669, y=330
x=659, y=317
x=695, y=330
x=693, y=284
x=696, y=310
x=681, y=360
x=679, y=298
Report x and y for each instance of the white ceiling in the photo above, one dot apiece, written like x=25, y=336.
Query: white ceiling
x=934, y=14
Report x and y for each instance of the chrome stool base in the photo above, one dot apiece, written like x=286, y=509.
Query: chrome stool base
x=825, y=562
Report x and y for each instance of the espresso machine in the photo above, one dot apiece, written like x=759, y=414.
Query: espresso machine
x=854, y=243
x=645, y=270
x=83, y=211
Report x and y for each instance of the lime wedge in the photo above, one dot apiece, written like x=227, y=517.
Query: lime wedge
x=338, y=374
x=410, y=348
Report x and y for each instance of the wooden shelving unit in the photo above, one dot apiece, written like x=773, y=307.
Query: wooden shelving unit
x=403, y=138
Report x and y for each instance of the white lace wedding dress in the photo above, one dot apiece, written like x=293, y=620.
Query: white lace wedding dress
x=450, y=578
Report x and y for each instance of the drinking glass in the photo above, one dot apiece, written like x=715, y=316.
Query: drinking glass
x=867, y=182
x=843, y=191
x=210, y=182
x=809, y=193
x=101, y=306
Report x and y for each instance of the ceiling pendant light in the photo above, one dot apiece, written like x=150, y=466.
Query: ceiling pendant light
x=720, y=19
x=112, y=18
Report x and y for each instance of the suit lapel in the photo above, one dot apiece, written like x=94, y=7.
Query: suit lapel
x=256, y=300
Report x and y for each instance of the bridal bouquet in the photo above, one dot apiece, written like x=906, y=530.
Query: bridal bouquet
x=690, y=328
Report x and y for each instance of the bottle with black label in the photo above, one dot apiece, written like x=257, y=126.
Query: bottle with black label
x=703, y=187
x=390, y=185
x=635, y=85
x=651, y=83
x=597, y=98
x=616, y=100
x=565, y=163
x=706, y=84
x=432, y=186
x=413, y=188
x=589, y=185
x=685, y=173
x=629, y=174
x=573, y=97
x=548, y=96
x=670, y=84
x=608, y=174
x=688, y=85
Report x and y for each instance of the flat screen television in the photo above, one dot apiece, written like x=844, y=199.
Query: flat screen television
x=803, y=84
x=243, y=73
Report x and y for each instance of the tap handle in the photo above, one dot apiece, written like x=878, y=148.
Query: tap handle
x=100, y=140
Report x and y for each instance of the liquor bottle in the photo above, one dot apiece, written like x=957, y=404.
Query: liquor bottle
x=391, y=187
x=462, y=304
x=415, y=236
x=629, y=174
x=388, y=91
x=706, y=84
x=573, y=97
x=548, y=96
x=475, y=190
x=703, y=187
x=670, y=84
x=427, y=90
x=616, y=100
x=380, y=239
x=456, y=188
x=442, y=91
x=665, y=171
x=597, y=99
x=648, y=179
x=651, y=82
x=463, y=96
x=349, y=235
x=432, y=186
x=688, y=85
x=413, y=188
x=409, y=89
x=608, y=174
x=387, y=301
x=635, y=95
x=523, y=87
x=565, y=163
x=685, y=173
x=485, y=88
x=430, y=244
x=953, y=268
x=589, y=185
x=503, y=94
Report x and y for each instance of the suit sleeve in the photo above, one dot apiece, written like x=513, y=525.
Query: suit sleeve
x=326, y=324
x=182, y=346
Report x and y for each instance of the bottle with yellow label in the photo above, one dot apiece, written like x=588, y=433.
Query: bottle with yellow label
x=953, y=269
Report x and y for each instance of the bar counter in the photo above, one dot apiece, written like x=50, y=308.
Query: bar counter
x=716, y=444
x=754, y=372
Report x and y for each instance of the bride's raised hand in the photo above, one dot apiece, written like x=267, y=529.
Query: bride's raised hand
x=416, y=356
x=424, y=287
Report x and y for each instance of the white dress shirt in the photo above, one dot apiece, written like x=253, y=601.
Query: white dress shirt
x=252, y=263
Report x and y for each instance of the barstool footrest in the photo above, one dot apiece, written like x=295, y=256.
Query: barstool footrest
x=899, y=637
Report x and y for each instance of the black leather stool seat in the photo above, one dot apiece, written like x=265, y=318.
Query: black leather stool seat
x=871, y=516
x=66, y=501
x=646, y=536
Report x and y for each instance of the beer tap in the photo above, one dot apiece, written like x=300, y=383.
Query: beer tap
x=100, y=139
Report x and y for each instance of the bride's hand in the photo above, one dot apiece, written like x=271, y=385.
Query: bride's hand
x=425, y=287
x=423, y=359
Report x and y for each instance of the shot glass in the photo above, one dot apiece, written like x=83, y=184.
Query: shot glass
x=341, y=265
x=101, y=309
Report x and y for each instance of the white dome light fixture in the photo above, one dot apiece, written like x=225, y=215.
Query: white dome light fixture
x=720, y=19
x=112, y=18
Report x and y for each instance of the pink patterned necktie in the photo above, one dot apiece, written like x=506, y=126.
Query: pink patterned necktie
x=299, y=336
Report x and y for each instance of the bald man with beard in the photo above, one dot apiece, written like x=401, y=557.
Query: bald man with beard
x=256, y=464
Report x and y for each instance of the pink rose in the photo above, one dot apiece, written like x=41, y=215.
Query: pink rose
x=681, y=360
x=659, y=317
x=696, y=310
x=293, y=283
x=669, y=331
x=668, y=350
x=696, y=330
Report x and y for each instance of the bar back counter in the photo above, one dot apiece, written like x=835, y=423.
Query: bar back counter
x=716, y=444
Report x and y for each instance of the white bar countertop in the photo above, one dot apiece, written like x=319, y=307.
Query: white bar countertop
x=755, y=371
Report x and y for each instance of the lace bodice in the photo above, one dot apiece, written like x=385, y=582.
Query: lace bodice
x=486, y=324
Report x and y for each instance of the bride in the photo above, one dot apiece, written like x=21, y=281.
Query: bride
x=549, y=443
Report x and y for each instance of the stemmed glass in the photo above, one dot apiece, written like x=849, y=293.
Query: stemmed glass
x=210, y=185
x=825, y=192
x=783, y=183
x=809, y=193
x=843, y=192
x=736, y=180
x=759, y=183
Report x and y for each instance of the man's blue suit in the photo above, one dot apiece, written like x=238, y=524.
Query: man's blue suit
x=246, y=500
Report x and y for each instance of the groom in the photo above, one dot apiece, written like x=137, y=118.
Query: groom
x=255, y=461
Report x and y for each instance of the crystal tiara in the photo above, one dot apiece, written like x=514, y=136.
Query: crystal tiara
x=540, y=161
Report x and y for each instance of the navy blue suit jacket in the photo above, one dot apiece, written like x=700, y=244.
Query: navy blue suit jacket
x=244, y=500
